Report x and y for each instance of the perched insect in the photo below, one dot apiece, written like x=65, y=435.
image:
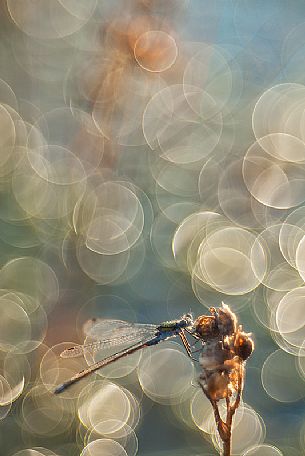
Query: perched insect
x=217, y=335
x=110, y=333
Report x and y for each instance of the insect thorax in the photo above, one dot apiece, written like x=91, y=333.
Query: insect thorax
x=171, y=325
x=167, y=325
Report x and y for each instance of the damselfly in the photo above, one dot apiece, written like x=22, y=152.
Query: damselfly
x=110, y=333
x=219, y=331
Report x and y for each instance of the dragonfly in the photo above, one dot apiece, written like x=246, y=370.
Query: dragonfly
x=111, y=333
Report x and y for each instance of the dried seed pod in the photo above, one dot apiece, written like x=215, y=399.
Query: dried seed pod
x=221, y=323
x=226, y=321
x=244, y=345
x=216, y=384
x=206, y=327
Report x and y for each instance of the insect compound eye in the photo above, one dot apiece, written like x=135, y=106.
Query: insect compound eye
x=188, y=317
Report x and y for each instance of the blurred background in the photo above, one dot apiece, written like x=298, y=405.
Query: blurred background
x=152, y=162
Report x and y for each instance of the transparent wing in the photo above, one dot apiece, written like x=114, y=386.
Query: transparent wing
x=79, y=350
x=100, y=329
x=110, y=333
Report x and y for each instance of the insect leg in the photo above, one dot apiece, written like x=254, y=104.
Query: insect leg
x=186, y=345
x=194, y=335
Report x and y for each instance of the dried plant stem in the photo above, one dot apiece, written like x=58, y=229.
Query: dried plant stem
x=225, y=349
x=227, y=447
x=225, y=427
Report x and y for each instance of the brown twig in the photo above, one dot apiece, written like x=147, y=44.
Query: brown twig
x=223, y=427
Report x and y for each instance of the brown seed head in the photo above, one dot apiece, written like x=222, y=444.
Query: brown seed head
x=226, y=321
x=206, y=327
x=244, y=345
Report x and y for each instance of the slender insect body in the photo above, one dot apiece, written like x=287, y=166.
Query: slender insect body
x=154, y=341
